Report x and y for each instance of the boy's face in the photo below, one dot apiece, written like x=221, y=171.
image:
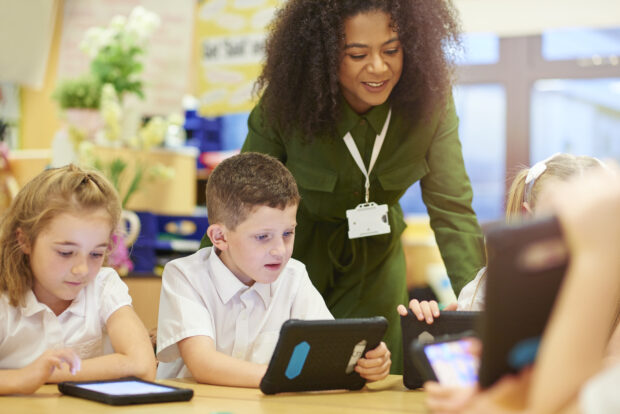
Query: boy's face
x=259, y=248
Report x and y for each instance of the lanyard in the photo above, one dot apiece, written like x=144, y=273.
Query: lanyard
x=355, y=153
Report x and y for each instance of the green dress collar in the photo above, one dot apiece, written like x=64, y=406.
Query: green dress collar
x=349, y=118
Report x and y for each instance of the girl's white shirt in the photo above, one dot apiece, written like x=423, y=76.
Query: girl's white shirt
x=27, y=331
x=471, y=297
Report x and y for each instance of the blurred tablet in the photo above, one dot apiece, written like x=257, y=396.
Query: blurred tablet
x=125, y=391
x=417, y=332
x=321, y=354
x=449, y=359
x=526, y=266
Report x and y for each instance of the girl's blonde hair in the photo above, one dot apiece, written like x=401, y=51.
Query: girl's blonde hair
x=559, y=166
x=68, y=189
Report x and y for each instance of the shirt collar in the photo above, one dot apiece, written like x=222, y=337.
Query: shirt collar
x=376, y=117
x=227, y=285
x=78, y=306
x=33, y=306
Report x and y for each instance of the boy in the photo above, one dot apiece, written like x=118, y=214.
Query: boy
x=221, y=309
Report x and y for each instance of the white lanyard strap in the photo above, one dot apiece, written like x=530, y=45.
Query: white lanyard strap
x=355, y=153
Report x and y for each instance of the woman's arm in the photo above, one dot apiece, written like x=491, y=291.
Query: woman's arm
x=133, y=354
x=209, y=366
x=447, y=194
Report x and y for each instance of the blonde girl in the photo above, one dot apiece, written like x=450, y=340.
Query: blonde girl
x=526, y=197
x=63, y=315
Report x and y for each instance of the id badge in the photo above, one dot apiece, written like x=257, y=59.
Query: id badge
x=368, y=219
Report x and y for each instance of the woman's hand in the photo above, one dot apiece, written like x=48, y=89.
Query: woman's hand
x=376, y=363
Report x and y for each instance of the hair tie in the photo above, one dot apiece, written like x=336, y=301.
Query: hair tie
x=534, y=172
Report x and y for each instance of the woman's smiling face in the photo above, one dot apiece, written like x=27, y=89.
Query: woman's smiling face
x=371, y=62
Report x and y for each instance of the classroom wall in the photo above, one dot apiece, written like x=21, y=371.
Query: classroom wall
x=40, y=116
x=39, y=113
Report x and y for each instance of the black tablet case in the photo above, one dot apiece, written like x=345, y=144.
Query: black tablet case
x=331, y=343
x=176, y=394
x=518, y=301
x=448, y=323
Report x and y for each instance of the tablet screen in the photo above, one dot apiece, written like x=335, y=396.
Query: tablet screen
x=125, y=388
x=453, y=362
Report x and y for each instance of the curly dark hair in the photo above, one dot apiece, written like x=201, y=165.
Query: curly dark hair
x=299, y=81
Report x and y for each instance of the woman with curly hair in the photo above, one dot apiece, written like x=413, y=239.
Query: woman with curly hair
x=375, y=73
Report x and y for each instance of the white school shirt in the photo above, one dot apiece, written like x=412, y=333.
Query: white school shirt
x=28, y=331
x=471, y=297
x=600, y=394
x=201, y=296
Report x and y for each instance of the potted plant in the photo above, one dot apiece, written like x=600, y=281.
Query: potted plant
x=82, y=92
x=79, y=100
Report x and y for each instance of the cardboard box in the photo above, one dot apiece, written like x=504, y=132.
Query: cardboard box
x=174, y=196
x=421, y=250
x=27, y=164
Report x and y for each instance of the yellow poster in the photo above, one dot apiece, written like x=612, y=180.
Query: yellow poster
x=231, y=36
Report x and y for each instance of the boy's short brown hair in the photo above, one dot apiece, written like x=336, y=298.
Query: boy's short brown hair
x=245, y=181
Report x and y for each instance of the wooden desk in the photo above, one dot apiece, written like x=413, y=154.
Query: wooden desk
x=387, y=396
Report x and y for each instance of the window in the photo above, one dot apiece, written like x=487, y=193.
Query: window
x=479, y=49
x=482, y=112
x=578, y=116
x=582, y=44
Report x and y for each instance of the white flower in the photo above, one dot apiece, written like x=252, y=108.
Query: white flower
x=118, y=23
x=153, y=133
x=94, y=39
x=141, y=24
x=111, y=113
x=86, y=153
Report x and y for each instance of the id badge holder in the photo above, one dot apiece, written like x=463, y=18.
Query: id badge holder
x=368, y=219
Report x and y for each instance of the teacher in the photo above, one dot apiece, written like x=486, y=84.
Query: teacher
x=356, y=102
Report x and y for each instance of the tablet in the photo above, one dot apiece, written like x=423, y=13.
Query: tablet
x=417, y=332
x=130, y=390
x=448, y=360
x=526, y=266
x=321, y=354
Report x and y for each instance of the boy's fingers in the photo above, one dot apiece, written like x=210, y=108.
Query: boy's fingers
x=379, y=351
x=401, y=310
x=375, y=372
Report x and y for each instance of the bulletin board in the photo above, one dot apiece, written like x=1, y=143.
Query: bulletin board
x=231, y=36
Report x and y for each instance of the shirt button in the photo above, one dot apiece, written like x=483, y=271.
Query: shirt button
x=356, y=193
x=363, y=122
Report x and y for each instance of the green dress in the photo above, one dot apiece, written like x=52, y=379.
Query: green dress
x=367, y=276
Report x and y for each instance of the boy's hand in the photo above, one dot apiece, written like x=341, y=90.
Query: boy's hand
x=39, y=371
x=425, y=310
x=376, y=363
